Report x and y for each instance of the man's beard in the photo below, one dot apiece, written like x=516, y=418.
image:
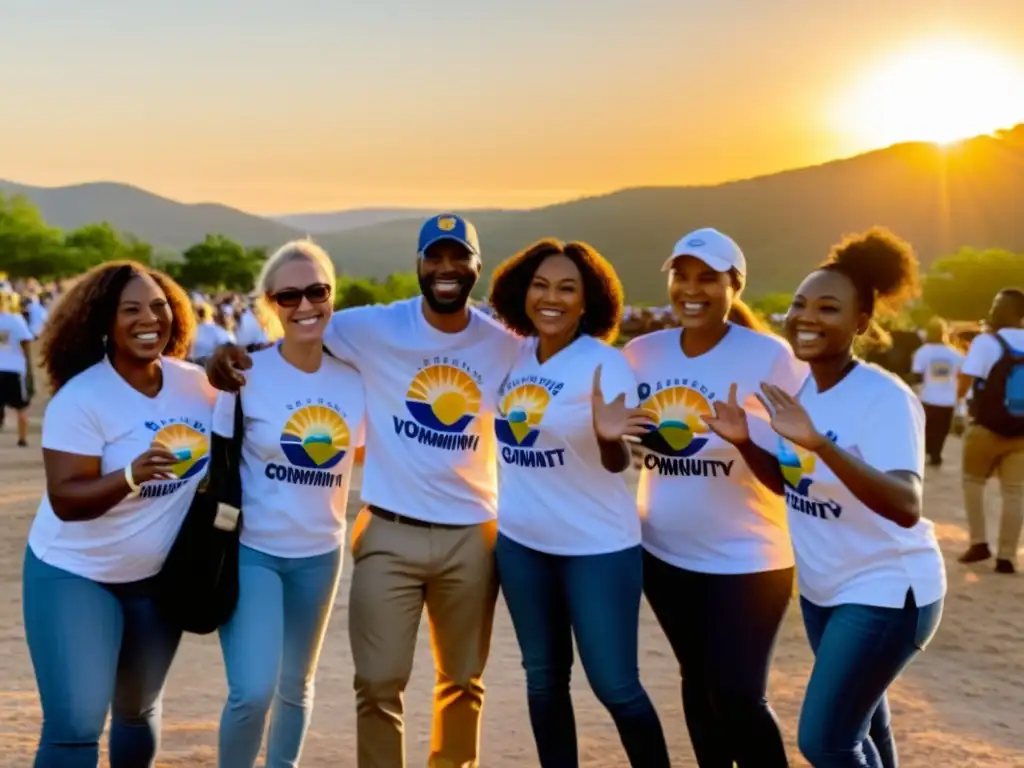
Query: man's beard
x=450, y=306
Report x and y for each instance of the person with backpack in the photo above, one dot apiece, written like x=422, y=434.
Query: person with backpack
x=993, y=372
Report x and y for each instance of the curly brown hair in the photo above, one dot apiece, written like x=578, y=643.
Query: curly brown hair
x=73, y=339
x=882, y=267
x=602, y=290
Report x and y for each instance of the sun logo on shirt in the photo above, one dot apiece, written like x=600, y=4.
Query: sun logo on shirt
x=443, y=398
x=315, y=437
x=678, y=429
x=796, y=465
x=520, y=411
x=189, y=445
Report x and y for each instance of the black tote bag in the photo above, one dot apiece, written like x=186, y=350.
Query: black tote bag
x=197, y=588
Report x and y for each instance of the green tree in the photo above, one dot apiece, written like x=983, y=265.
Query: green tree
x=94, y=244
x=772, y=304
x=961, y=286
x=355, y=293
x=28, y=247
x=219, y=263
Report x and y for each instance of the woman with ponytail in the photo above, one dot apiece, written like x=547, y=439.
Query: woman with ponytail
x=718, y=565
x=849, y=461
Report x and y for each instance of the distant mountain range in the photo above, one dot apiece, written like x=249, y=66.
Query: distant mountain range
x=968, y=194
x=339, y=221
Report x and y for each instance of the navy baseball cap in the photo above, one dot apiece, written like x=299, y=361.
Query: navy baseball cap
x=448, y=226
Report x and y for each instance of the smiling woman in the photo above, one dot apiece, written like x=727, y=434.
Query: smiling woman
x=941, y=91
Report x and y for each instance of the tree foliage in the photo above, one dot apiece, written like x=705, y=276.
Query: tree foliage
x=958, y=287
x=961, y=286
x=360, y=291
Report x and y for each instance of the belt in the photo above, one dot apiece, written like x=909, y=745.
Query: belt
x=394, y=517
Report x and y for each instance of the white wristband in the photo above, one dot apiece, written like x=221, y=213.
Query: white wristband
x=129, y=479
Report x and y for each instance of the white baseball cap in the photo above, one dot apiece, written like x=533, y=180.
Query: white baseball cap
x=715, y=249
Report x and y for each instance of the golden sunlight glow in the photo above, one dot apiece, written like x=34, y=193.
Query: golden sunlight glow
x=940, y=91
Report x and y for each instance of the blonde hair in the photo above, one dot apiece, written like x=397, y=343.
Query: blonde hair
x=10, y=302
x=291, y=251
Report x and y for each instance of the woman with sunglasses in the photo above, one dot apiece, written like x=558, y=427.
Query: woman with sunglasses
x=303, y=417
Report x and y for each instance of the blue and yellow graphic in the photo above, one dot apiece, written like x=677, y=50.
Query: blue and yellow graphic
x=520, y=412
x=190, y=445
x=678, y=430
x=797, y=465
x=443, y=398
x=315, y=437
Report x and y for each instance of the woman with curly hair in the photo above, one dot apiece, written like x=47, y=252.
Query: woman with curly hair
x=125, y=445
x=568, y=548
x=849, y=462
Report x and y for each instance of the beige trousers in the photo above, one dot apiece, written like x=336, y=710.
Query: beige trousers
x=986, y=453
x=399, y=569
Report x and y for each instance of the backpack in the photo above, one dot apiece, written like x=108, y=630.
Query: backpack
x=998, y=402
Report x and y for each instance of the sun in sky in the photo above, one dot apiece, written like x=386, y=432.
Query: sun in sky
x=940, y=90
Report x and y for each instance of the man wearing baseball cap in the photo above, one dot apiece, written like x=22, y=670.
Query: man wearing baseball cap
x=431, y=367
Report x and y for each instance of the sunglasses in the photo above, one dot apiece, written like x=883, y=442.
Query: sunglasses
x=317, y=293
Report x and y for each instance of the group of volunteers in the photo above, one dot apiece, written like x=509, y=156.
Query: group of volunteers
x=495, y=449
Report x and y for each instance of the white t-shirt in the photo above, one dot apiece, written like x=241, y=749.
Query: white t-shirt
x=938, y=365
x=98, y=413
x=845, y=552
x=555, y=496
x=985, y=351
x=37, y=315
x=701, y=506
x=430, y=401
x=209, y=336
x=13, y=331
x=301, y=434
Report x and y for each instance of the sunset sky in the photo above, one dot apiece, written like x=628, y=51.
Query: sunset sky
x=289, y=105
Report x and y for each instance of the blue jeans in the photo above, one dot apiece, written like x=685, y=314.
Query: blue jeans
x=859, y=650
x=95, y=648
x=271, y=647
x=597, y=598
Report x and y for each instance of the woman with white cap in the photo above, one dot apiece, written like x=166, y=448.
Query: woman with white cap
x=718, y=564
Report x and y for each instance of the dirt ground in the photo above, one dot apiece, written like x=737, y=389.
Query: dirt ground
x=960, y=704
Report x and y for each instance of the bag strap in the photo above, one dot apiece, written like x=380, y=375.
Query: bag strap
x=230, y=481
x=1007, y=349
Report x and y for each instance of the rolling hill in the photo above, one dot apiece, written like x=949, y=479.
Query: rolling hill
x=968, y=194
x=337, y=221
x=156, y=219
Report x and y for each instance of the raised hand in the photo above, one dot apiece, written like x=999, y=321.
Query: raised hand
x=225, y=365
x=729, y=421
x=615, y=421
x=789, y=419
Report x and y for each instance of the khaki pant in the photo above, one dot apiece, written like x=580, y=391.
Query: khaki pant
x=985, y=454
x=400, y=568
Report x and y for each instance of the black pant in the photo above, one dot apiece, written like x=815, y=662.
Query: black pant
x=938, y=419
x=722, y=629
